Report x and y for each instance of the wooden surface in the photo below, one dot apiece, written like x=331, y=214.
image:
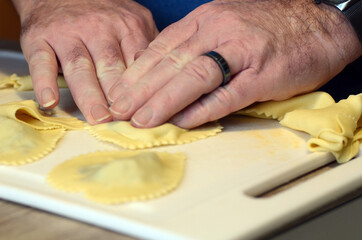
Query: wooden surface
x=9, y=21
x=19, y=222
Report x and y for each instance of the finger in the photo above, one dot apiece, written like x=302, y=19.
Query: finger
x=197, y=78
x=79, y=72
x=107, y=56
x=138, y=54
x=165, y=42
x=43, y=69
x=133, y=97
x=131, y=44
x=243, y=90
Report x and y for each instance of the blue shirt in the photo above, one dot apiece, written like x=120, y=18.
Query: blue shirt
x=166, y=12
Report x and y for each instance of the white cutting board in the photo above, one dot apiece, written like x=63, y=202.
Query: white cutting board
x=216, y=197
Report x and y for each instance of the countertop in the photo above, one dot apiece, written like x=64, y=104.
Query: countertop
x=18, y=222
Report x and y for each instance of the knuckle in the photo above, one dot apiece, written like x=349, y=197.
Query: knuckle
x=226, y=100
x=203, y=110
x=85, y=96
x=110, y=53
x=158, y=48
x=168, y=99
x=176, y=60
x=77, y=64
x=135, y=21
x=103, y=69
x=199, y=73
x=77, y=61
x=39, y=57
x=147, y=13
x=229, y=16
x=144, y=89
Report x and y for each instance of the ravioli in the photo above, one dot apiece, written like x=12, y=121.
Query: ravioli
x=22, y=144
x=27, y=135
x=125, y=135
x=334, y=127
x=120, y=176
x=24, y=83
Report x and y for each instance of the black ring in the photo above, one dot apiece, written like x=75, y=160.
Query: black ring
x=224, y=67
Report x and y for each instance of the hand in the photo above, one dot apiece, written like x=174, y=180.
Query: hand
x=93, y=42
x=275, y=50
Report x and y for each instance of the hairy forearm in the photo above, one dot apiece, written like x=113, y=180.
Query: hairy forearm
x=341, y=31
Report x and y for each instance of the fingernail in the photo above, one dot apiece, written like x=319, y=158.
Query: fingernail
x=143, y=117
x=100, y=113
x=115, y=92
x=121, y=106
x=47, y=97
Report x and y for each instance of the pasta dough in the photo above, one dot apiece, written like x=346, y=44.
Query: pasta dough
x=24, y=83
x=21, y=144
x=277, y=109
x=125, y=135
x=334, y=127
x=120, y=176
x=26, y=135
x=27, y=112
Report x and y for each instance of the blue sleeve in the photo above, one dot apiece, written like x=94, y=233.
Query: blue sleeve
x=166, y=12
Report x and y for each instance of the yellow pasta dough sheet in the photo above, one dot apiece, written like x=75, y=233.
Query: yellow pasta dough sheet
x=120, y=176
x=334, y=127
x=125, y=135
x=277, y=109
x=23, y=83
x=22, y=144
x=28, y=113
x=27, y=135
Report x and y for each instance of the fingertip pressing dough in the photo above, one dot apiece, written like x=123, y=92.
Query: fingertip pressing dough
x=24, y=83
x=26, y=135
x=120, y=176
x=125, y=135
x=334, y=128
x=277, y=109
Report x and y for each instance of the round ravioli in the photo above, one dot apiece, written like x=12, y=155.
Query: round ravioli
x=120, y=176
x=125, y=135
x=21, y=144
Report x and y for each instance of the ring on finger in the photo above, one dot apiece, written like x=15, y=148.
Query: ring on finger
x=223, y=65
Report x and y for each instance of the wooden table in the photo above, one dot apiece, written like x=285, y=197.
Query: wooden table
x=18, y=222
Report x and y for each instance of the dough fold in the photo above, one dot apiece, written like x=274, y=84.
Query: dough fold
x=29, y=113
x=26, y=135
